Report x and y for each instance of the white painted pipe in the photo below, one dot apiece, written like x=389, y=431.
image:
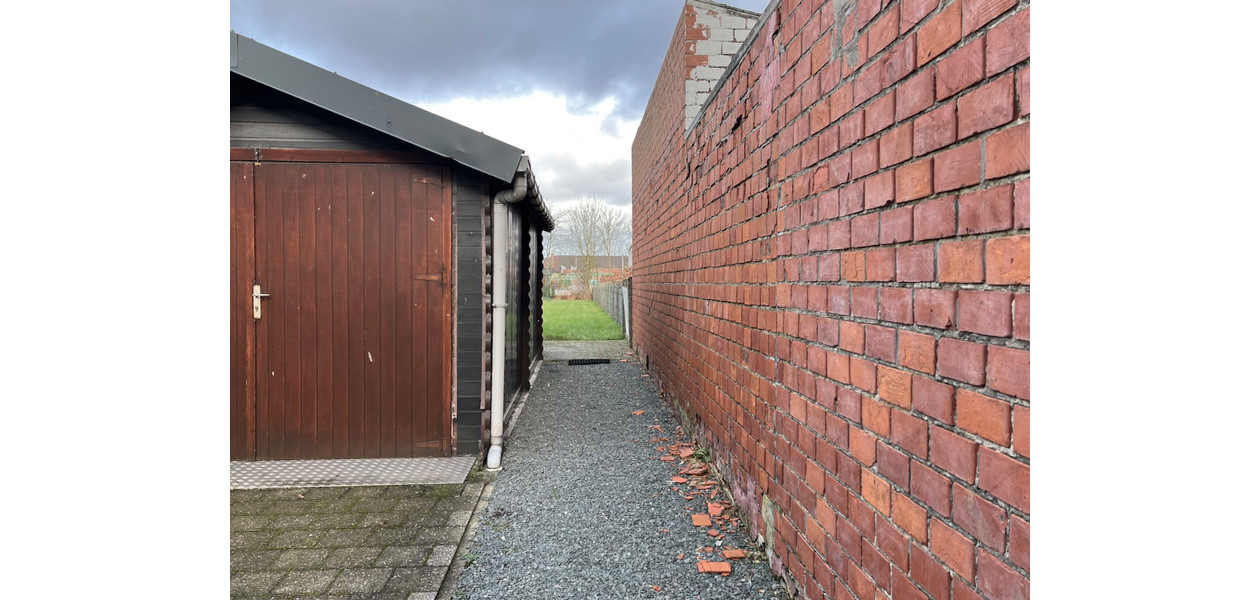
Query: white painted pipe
x=498, y=315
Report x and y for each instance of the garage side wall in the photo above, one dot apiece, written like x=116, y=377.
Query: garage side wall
x=832, y=285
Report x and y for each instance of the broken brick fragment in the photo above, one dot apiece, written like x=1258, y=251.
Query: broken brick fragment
x=717, y=567
x=734, y=554
x=701, y=520
x=715, y=509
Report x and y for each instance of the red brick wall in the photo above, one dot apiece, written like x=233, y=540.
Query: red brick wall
x=832, y=283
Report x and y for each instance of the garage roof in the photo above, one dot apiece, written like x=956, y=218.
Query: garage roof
x=368, y=107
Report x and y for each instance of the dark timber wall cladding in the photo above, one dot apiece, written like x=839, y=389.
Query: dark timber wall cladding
x=472, y=202
x=832, y=282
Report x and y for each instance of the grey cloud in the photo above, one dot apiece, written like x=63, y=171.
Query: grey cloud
x=434, y=50
x=609, y=182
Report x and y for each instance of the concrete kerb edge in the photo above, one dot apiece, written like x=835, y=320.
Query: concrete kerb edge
x=451, y=581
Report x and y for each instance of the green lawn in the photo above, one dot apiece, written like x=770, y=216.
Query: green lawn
x=578, y=320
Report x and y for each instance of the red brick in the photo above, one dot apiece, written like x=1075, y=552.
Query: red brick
x=934, y=308
x=1007, y=261
x=939, y=33
x=913, y=11
x=988, y=313
x=876, y=417
x=862, y=447
x=1020, y=546
x=1007, y=43
x=963, y=592
x=1023, y=94
x=935, y=219
x=838, y=235
x=865, y=302
x=828, y=332
x=1021, y=441
x=896, y=225
x=896, y=304
x=984, y=416
x=881, y=264
x=933, y=398
x=881, y=343
x=879, y=189
x=893, y=543
x=984, y=520
x=978, y=13
x=986, y=210
x=953, y=453
x=1022, y=218
x=876, y=566
x=909, y=432
x=960, y=70
x=853, y=266
x=1004, y=477
x=936, y=129
x=865, y=230
x=916, y=94
x=953, y=548
x=838, y=299
x=930, y=487
x=961, y=262
x=908, y=515
x=1006, y=152
x=957, y=167
x=829, y=267
x=989, y=106
x=960, y=360
x=931, y=575
x=914, y=180
x=893, y=465
x=879, y=114
x=894, y=386
x=896, y=146
x=862, y=372
x=903, y=588
x=998, y=581
x=866, y=159
x=916, y=351
x=876, y=491
x=1009, y=371
x=916, y=263
x=882, y=32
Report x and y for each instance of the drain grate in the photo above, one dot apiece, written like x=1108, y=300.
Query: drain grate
x=589, y=361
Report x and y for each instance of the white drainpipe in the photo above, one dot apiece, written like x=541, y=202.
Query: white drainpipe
x=498, y=315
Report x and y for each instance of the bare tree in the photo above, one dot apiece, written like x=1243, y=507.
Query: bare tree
x=590, y=229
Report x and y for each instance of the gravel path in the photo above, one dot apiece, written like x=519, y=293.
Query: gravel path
x=585, y=507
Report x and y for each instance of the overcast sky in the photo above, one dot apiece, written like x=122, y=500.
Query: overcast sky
x=564, y=80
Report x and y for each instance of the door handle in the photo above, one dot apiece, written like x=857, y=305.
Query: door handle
x=258, y=296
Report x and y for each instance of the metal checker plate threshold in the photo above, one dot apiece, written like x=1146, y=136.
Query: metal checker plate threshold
x=349, y=472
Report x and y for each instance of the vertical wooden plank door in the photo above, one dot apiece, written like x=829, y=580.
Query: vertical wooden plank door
x=353, y=348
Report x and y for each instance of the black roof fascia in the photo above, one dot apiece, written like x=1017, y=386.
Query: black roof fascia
x=364, y=105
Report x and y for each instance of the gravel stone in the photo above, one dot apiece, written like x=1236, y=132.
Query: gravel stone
x=580, y=507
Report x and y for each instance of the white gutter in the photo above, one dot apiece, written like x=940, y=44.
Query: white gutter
x=498, y=315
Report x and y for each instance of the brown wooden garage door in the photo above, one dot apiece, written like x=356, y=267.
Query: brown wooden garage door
x=351, y=356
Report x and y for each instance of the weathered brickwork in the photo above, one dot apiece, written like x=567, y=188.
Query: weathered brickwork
x=832, y=283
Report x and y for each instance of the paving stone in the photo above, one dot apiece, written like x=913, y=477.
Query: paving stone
x=251, y=540
x=305, y=582
x=354, y=557
x=413, y=579
x=439, y=535
x=295, y=539
x=417, y=504
x=422, y=596
x=302, y=558
x=253, y=560
x=391, y=536
x=339, y=538
x=327, y=493
x=336, y=521
x=304, y=521
x=254, y=583
x=442, y=555
x=250, y=522
x=360, y=580
x=371, y=491
x=403, y=556
x=375, y=505
x=459, y=518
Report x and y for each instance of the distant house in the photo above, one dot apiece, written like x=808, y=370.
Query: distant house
x=364, y=238
x=565, y=275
